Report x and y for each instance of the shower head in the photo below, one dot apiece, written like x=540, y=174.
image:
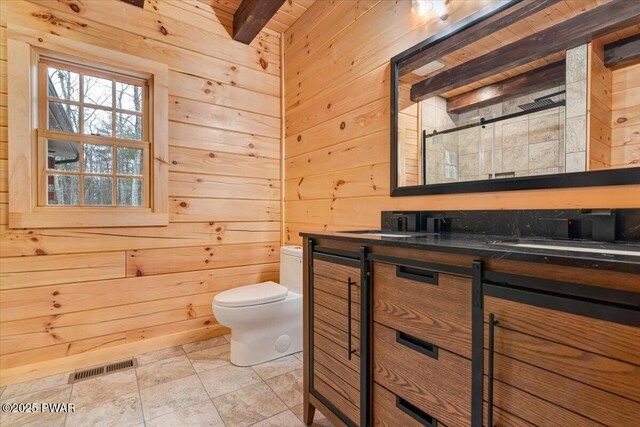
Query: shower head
x=535, y=104
x=543, y=101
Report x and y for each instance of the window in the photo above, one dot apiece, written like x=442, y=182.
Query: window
x=92, y=149
x=92, y=132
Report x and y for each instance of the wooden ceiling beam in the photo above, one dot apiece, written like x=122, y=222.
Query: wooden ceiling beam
x=622, y=51
x=252, y=16
x=541, y=78
x=482, y=29
x=139, y=3
x=597, y=22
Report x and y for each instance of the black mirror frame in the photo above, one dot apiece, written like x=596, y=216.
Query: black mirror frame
x=622, y=176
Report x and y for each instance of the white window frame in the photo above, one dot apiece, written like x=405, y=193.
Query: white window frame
x=24, y=47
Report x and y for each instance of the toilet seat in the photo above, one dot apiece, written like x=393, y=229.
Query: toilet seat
x=260, y=293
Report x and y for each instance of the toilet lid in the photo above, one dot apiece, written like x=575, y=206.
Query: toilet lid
x=260, y=293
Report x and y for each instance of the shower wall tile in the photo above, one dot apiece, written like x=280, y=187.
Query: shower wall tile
x=515, y=133
x=544, y=155
x=576, y=162
x=576, y=134
x=515, y=158
x=576, y=60
x=468, y=165
x=544, y=128
x=577, y=99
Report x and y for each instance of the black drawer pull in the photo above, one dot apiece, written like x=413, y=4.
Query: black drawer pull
x=417, y=274
x=350, y=351
x=414, y=412
x=417, y=344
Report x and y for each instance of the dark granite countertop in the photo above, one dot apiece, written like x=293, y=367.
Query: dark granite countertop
x=501, y=247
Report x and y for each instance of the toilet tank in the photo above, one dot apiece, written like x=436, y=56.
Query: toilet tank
x=291, y=268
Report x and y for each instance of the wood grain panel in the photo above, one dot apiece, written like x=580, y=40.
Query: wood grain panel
x=438, y=314
x=441, y=387
x=63, y=241
x=337, y=352
x=49, y=300
x=48, y=330
x=625, y=116
x=147, y=262
x=339, y=400
x=339, y=368
x=615, y=340
x=592, y=402
x=223, y=187
x=68, y=303
x=336, y=320
x=338, y=272
x=612, y=375
x=535, y=410
x=25, y=272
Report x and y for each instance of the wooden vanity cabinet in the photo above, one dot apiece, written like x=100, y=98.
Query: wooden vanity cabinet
x=553, y=360
x=335, y=335
x=400, y=337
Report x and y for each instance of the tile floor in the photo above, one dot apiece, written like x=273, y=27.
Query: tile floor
x=189, y=385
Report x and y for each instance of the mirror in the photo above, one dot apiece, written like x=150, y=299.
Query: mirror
x=518, y=97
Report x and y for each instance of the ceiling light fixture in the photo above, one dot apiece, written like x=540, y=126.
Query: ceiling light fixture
x=421, y=7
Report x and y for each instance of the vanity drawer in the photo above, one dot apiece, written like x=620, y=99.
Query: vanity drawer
x=434, y=307
x=432, y=379
x=390, y=410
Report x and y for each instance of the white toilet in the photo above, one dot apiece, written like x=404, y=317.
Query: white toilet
x=266, y=318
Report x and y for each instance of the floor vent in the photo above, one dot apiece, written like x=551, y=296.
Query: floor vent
x=102, y=370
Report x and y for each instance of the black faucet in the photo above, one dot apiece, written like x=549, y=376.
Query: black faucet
x=603, y=224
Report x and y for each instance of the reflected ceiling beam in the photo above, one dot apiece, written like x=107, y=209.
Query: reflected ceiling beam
x=541, y=78
x=482, y=29
x=597, y=22
x=622, y=51
x=139, y=3
x=252, y=16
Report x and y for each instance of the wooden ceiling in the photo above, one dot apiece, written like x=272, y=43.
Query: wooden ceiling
x=290, y=11
x=554, y=14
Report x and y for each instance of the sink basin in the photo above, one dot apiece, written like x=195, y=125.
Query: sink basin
x=380, y=233
x=589, y=247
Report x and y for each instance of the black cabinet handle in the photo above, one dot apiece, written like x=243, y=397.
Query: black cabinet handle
x=492, y=323
x=417, y=344
x=414, y=412
x=350, y=283
x=417, y=274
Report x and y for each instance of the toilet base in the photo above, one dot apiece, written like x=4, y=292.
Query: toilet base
x=247, y=349
x=263, y=332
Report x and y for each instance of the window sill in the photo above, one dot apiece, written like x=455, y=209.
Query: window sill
x=74, y=218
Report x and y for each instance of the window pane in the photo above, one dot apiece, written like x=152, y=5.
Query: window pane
x=128, y=126
x=98, y=91
x=98, y=158
x=128, y=96
x=130, y=192
x=97, y=122
x=63, y=189
x=63, y=84
x=63, y=117
x=129, y=161
x=63, y=155
x=97, y=190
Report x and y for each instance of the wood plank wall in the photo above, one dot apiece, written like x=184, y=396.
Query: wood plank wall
x=625, y=116
x=71, y=298
x=336, y=62
x=599, y=108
